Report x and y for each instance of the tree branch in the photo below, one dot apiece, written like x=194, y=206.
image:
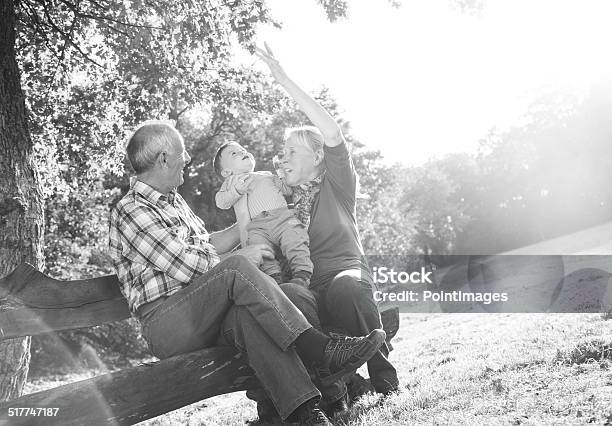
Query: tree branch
x=38, y=28
x=216, y=126
x=98, y=5
x=65, y=36
x=107, y=18
x=183, y=110
x=60, y=60
x=117, y=30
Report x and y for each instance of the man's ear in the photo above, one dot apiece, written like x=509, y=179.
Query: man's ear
x=162, y=159
x=225, y=173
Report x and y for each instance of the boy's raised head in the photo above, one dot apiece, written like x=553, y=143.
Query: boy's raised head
x=232, y=159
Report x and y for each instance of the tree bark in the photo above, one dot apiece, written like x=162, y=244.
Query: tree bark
x=21, y=212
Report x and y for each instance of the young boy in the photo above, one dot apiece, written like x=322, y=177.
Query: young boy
x=262, y=212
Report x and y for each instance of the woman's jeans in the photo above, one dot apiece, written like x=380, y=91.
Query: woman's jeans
x=346, y=304
x=236, y=304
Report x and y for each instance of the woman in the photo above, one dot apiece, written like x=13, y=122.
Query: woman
x=317, y=164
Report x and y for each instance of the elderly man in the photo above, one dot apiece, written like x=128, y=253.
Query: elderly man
x=188, y=295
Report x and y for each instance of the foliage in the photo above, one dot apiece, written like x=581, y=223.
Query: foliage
x=383, y=228
x=77, y=232
x=431, y=196
x=92, y=71
x=335, y=9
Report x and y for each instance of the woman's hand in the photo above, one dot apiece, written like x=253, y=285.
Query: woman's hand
x=268, y=57
x=332, y=134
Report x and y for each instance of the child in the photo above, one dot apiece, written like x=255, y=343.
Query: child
x=262, y=212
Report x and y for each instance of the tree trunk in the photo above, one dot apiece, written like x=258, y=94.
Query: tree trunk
x=21, y=213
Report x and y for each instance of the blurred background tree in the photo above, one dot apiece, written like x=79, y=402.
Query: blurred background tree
x=543, y=179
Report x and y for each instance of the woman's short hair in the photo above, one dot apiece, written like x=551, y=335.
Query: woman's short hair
x=148, y=140
x=306, y=135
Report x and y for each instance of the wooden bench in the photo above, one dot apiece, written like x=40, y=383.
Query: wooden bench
x=32, y=303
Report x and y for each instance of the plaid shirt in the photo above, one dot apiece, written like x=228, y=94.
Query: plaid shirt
x=157, y=244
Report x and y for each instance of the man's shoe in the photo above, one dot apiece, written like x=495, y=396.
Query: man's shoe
x=335, y=408
x=309, y=414
x=343, y=355
x=266, y=411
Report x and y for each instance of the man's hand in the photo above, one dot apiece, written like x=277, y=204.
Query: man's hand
x=256, y=253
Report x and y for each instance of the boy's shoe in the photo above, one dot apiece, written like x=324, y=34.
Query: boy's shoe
x=304, y=282
x=301, y=278
x=278, y=277
x=309, y=414
x=343, y=355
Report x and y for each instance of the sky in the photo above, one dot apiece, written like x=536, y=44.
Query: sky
x=427, y=79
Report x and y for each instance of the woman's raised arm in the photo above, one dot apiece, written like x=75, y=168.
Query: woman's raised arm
x=332, y=134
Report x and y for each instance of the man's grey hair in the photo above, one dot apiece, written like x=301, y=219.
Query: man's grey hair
x=149, y=139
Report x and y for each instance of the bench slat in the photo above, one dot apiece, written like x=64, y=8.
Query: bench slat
x=37, y=290
x=23, y=321
x=32, y=303
x=133, y=395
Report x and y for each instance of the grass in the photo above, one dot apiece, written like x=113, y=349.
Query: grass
x=476, y=369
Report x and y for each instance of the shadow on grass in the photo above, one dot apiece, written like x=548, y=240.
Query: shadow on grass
x=367, y=402
x=592, y=350
x=361, y=406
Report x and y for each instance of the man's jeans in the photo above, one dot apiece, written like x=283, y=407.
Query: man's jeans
x=236, y=304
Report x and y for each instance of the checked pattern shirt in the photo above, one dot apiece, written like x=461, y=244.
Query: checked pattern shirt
x=157, y=244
